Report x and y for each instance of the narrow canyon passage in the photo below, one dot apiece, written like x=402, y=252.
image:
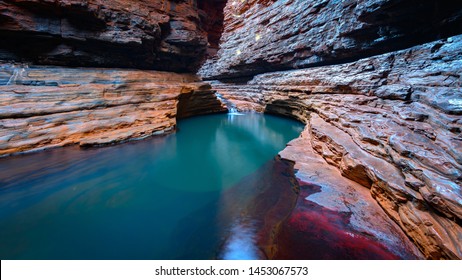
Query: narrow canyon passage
x=376, y=172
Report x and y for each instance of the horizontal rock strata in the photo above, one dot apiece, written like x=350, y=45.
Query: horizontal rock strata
x=44, y=107
x=163, y=35
x=332, y=218
x=268, y=35
x=391, y=123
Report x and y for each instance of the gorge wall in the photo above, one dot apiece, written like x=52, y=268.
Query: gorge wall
x=56, y=105
x=268, y=35
x=380, y=94
x=160, y=35
x=377, y=83
x=44, y=107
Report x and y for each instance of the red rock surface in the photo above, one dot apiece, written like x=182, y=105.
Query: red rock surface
x=336, y=218
x=316, y=232
x=390, y=123
x=268, y=35
x=163, y=35
x=45, y=107
x=383, y=130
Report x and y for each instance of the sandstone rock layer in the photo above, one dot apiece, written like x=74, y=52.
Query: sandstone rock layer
x=166, y=35
x=44, y=107
x=391, y=123
x=383, y=122
x=267, y=35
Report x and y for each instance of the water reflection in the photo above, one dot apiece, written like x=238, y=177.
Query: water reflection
x=233, y=113
x=161, y=198
x=242, y=242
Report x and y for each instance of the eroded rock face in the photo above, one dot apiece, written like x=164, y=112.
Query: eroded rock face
x=44, y=107
x=160, y=35
x=268, y=35
x=391, y=123
x=383, y=129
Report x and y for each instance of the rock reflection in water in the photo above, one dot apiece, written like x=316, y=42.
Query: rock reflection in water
x=162, y=198
x=242, y=242
x=253, y=209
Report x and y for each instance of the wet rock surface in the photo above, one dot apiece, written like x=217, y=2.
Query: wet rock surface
x=390, y=123
x=336, y=218
x=44, y=107
x=381, y=130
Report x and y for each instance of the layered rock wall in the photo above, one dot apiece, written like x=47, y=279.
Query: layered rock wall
x=44, y=107
x=165, y=35
x=391, y=123
x=268, y=35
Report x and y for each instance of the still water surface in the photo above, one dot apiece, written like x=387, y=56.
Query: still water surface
x=172, y=197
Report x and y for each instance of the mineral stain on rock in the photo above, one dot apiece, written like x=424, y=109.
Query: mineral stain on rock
x=318, y=233
x=376, y=82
